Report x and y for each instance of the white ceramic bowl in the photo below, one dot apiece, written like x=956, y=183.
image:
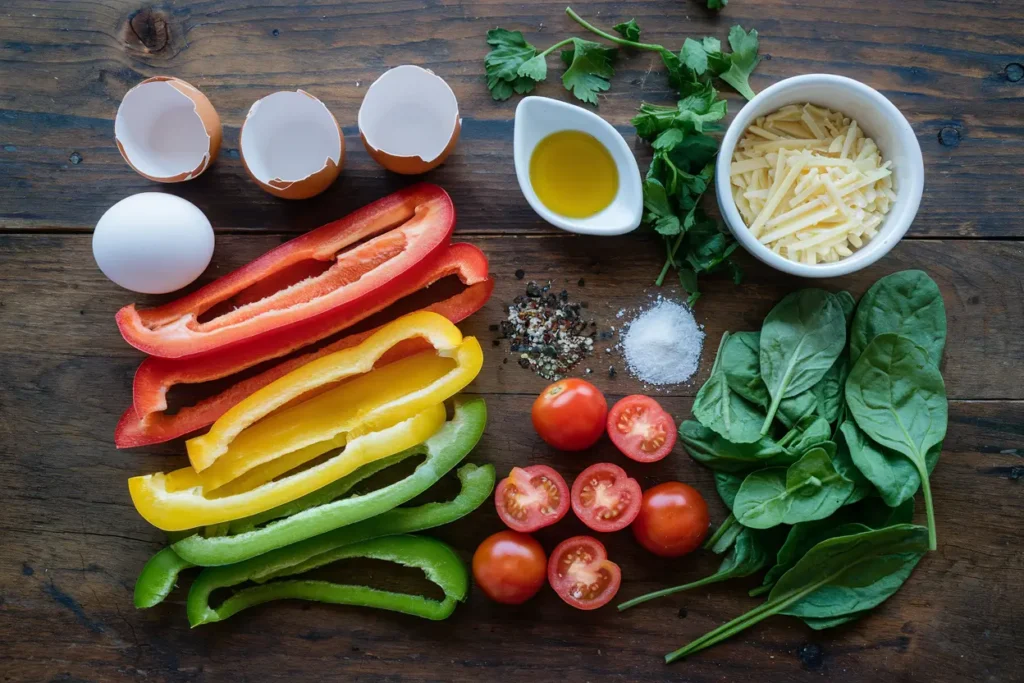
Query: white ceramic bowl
x=539, y=117
x=878, y=117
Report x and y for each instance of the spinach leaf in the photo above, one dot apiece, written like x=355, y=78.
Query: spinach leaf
x=800, y=340
x=741, y=364
x=848, y=304
x=897, y=397
x=845, y=465
x=721, y=455
x=793, y=409
x=801, y=538
x=809, y=489
x=724, y=536
x=719, y=408
x=836, y=579
x=907, y=303
x=727, y=485
x=749, y=554
x=804, y=435
x=828, y=392
x=892, y=474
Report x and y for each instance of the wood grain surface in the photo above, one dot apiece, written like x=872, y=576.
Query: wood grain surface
x=71, y=544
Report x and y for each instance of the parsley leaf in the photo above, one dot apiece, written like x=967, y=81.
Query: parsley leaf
x=501, y=65
x=735, y=68
x=590, y=67
x=717, y=4
x=628, y=30
x=694, y=56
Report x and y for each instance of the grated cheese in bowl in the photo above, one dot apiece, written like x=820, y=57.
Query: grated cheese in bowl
x=809, y=184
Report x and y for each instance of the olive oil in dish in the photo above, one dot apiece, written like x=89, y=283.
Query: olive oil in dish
x=573, y=174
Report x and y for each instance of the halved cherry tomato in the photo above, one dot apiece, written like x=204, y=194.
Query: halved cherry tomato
x=531, y=498
x=605, y=498
x=570, y=414
x=581, y=573
x=641, y=429
x=673, y=519
x=509, y=567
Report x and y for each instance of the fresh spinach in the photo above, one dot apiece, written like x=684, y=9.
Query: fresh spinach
x=897, y=397
x=845, y=464
x=800, y=340
x=805, y=434
x=795, y=408
x=708, y=447
x=835, y=580
x=809, y=489
x=894, y=477
x=727, y=485
x=719, y=408
x=907, y=303
x=741, y=364
x=751, y=553
x=724, y=536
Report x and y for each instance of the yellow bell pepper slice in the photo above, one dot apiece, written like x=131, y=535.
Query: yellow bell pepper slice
x=296, y=434
x=381, y=407
x=175, y=501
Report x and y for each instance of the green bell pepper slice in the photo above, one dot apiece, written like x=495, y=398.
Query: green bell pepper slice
x=160, y=574
x=324, y=510
x=437, y=560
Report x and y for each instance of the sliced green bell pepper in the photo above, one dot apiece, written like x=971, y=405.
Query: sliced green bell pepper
x=323, y=510
x=437, y=560
x=160, y=574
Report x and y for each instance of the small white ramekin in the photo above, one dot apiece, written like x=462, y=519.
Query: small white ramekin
x=878, y=118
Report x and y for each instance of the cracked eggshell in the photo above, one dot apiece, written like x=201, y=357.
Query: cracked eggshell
x=409, y=120
x=291, y=145
x=167, y=130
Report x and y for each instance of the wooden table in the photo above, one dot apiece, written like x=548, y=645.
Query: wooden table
x=71, y=542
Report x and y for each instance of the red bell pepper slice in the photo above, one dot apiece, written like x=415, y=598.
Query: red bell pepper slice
x=304, y=279
x=145, y=423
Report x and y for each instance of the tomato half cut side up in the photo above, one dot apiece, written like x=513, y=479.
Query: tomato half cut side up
x=641, y=429
x=605, y=498
x=531, y=498
x=581, y=574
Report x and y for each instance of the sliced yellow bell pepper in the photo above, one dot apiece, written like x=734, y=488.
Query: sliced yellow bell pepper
x=307, y=421
x=175, y=501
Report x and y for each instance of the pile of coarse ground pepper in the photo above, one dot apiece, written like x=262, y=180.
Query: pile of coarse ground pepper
x=547, y=332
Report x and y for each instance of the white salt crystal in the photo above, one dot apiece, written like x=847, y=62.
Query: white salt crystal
x=663, y=344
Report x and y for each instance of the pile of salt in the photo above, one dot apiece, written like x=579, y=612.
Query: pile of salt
x=663, y=344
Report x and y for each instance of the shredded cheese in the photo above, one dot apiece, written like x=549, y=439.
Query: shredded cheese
x=810, y=185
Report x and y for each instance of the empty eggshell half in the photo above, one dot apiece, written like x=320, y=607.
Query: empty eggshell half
x=409, y=120
x=291, y=145
x=167, y=130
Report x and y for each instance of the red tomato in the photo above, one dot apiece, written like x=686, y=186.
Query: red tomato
x=673, y=519
x=570, y=414
x=581, y=573
x=531, y=498
x=605, y=498
x=509, y=567
x=641, y=429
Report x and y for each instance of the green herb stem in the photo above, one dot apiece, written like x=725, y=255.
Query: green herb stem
x=612, y=38
x=670, y=260
x=760, y=590
x=554, y=47
x=926, y=488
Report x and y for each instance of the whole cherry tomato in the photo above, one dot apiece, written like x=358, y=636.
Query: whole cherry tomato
x=509, y=567
x=673, y=519
x=570, y=414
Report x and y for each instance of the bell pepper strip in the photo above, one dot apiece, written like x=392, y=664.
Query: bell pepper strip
x=386, y=240
x=160, y=574
x=175, y=501
x=296, y=434
x=440, y=333
x=438, y=561
x=326, y=509
x=158, y=578
x=146, y=423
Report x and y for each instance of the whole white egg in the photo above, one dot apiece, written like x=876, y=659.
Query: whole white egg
x=153, y=243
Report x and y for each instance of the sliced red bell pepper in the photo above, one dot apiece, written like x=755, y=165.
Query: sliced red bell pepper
x=386, y=241
x=157, y=375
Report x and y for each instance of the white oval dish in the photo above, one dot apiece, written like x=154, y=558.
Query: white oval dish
x=880, y=120
x=539, y=117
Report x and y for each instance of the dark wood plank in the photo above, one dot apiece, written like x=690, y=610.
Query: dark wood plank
x=66, y=67
x=48, y=278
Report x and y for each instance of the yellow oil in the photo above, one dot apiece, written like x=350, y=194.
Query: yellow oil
x=573, y=174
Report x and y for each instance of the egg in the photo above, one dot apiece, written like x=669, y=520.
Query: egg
x=291, y=145
x=409, y=120
x=153, y=243
x=167, y=130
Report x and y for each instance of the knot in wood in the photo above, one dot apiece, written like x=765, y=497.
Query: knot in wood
x=148, y=30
